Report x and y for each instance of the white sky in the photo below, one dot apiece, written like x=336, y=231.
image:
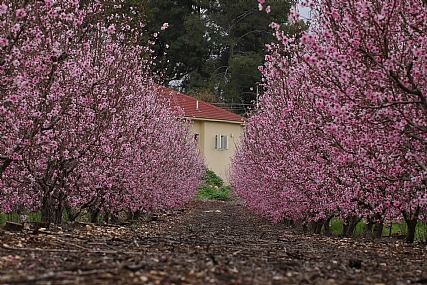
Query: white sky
x=304, y=12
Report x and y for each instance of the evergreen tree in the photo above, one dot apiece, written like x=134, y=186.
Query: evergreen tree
x=215, y=46
x=242, y=31
x=183, y=47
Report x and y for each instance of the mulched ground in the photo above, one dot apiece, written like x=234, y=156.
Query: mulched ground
x=208, y=242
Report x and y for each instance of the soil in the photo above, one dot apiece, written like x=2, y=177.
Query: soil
x=207, y=242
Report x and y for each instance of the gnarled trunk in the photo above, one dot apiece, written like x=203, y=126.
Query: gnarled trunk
x=378, y=230
x=51, y=210
x=326, y=226
x=368, y=230
x=316, y=226
x=411, y=222
x=94, y=214
x=349, y=225
x=71, y=213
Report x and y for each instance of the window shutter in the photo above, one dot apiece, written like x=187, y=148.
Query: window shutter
x=225, y=142
x=217, y=141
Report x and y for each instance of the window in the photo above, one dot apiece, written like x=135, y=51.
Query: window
x=221, y=142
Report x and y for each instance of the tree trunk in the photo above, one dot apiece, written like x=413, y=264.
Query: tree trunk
x=94, y=213
x=304, y=228
x=59, y=211
x=71, y=216
x=368, y=230
x=412, y=225
x=288, y=223
x=129, y=215
x=326, y=226
x=49, y=212
x=349, y=225
x=411, y=222
x=316, y=226
x=378, y=230
x=114, y=218
x=137, y=215
x=133, y=215
x=46, y=212
x=106, y=218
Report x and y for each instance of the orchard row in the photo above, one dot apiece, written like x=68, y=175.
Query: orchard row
x=82, y=125
x=342, y=127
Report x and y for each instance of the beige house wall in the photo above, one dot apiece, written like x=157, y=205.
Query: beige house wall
x=215, y=159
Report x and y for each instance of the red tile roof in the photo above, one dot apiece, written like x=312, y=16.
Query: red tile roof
x=194, y=108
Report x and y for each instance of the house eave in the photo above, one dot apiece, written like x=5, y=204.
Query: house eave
x=215, y=120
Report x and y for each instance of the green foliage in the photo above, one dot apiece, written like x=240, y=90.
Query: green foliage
x=336, y=226
x=399, y=229
x=213, y=188
x=214, y=45
x=83, y=217
x=240, y=32
x=213, y=179
x=182, y=48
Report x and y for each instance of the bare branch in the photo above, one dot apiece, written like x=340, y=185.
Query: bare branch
x=420, y=164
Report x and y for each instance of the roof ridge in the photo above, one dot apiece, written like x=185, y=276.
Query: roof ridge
x=207, y=103
x=202, y=109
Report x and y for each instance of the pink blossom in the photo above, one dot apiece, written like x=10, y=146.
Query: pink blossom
x=275, y=26
x=16, y=28
x=111, y=29
x=165, y=26
x=3, y=9
x=268, y=9
x=21, y=13
x=3, y=42
x=14, y=98
x=25, y=84
x=49, y=3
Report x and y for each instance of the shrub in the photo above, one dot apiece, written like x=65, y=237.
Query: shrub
x=213, y=188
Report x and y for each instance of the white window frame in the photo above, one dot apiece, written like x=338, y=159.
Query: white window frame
x=221, y=142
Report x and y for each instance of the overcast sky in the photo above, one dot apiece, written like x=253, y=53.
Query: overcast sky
x=304, y=12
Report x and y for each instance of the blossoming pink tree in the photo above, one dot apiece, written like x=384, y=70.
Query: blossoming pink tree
x=362, y=67
x=74, y=89
x=153, y=164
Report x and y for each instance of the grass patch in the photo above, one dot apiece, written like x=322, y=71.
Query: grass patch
x=395, y=229
x=336, y=226
x=20, y=218
x=213, y=188
x=398, y=229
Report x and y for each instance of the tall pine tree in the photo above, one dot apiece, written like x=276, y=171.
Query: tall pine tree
x=215, y=46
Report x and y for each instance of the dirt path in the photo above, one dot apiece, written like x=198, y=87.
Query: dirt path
x=209, y=242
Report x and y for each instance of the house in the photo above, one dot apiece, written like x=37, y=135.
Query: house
x=217, y=131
